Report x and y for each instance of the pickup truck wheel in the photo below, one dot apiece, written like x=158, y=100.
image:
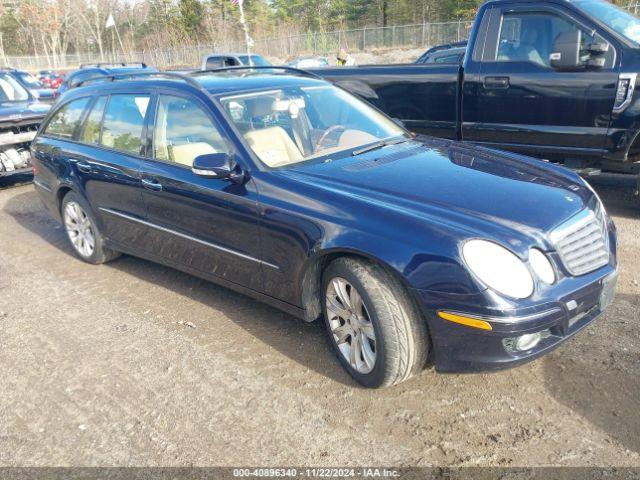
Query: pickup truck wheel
x=374, y=327
x=82, y=231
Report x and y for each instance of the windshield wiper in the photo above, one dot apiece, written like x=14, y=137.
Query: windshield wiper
x=381, y=144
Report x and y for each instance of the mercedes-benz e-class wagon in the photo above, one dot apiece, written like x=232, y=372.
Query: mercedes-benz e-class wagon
x=414, y=251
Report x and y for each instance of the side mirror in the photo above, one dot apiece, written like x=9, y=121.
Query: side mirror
x=566, y=51
x=215, y=165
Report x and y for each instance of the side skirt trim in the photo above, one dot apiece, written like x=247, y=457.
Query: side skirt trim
x=189, y=237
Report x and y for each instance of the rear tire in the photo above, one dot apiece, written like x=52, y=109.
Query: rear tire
x=82, y=231
x=374, y=326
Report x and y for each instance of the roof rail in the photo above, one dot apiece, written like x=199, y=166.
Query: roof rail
x=112, y=64
x=134, y=75
x=297, y=71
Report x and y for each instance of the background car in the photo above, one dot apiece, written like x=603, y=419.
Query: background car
x=50, y=78
x=309, y=62
x=20, y=116
x=33, y=85
x=100, y=69
x=221, y=60
x=447, y=53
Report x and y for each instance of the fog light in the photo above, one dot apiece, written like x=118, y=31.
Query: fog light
x=528, y=341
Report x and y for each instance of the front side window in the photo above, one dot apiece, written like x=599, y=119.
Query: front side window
x=65, y=121
x=11, y=90
x=290, y=125
x=183, y=131
x=123, y=123
x=530, y=37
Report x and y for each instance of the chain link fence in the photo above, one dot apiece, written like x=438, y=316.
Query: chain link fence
x=422, y=35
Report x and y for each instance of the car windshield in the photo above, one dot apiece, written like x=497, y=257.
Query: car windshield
x=11, y=90
x=291, y=125
x=614, y=17
x=256, y=60
x=30, y=80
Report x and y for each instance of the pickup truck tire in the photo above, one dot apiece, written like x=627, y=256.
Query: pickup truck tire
x=82, y=231
x=374, y=326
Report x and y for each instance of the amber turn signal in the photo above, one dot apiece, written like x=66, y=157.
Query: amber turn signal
x=466, y=321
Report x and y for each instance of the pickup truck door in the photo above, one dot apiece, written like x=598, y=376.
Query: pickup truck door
x=523, y=104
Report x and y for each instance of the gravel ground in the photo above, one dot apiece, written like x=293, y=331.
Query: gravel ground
x=133, y=363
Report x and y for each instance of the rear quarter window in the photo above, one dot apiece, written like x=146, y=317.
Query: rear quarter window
x=66, y=120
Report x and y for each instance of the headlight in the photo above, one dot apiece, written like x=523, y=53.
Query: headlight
x=542, y=266
x=498, y=268
x=602, y=209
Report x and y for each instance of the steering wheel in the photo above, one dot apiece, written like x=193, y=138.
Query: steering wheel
x=325, y=136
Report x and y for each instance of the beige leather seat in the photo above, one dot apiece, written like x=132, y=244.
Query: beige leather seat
x=274, y=146
x=185, y=154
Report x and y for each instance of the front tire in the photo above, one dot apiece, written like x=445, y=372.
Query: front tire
x=82, y=231
x=375, y=328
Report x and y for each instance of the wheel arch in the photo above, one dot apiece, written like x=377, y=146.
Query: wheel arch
x=59, y=194
x=311, y=279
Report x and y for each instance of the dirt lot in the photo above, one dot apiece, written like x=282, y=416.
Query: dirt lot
x=136, y=364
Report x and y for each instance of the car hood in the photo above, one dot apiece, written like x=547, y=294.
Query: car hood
x=475, y=187
x=20, y=111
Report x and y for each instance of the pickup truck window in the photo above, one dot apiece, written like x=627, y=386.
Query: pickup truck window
x=529, y=37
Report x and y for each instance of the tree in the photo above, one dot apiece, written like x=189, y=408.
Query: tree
x=191, y=13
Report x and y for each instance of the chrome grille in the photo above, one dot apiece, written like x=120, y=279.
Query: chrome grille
x=582, y=242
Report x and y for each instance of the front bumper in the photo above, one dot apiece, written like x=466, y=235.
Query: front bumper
x=458, y=348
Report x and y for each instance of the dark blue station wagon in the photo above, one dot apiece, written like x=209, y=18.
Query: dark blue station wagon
x=413, y=250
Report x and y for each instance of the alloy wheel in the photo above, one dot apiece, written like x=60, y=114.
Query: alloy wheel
x=79, y=229
x=351, y=325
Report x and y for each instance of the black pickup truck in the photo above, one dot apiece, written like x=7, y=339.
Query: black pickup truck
x=549, y=78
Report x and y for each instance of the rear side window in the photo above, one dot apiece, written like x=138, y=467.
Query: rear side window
x=65, y=121
x=91, y=131
x=123, y=123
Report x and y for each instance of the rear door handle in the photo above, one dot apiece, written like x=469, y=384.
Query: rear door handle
x=152, y=184
x=84, y=167
x=496, y=82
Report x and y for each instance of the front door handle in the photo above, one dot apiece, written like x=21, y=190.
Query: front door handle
x=152, y=184
x=84, y=167
x=496, y=82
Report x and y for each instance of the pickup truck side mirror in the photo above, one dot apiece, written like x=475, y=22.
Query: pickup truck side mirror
x=565, y=54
